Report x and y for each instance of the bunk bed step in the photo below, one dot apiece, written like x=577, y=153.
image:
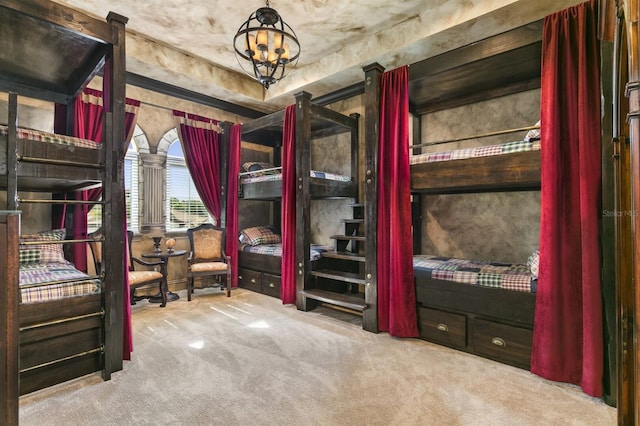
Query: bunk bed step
x=352, y=220
x=348, y=237
x=345, y=255
x=348, y=277
x=349, y=301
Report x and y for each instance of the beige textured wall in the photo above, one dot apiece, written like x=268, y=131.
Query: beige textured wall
x=502, y=226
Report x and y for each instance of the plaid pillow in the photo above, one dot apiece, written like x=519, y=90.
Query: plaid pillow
x=29, y=256
x=254, y=166
x=49, y=253
x=260, y=235
x=259, y=168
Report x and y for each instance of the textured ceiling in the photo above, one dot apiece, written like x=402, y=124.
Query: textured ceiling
x=189, y=43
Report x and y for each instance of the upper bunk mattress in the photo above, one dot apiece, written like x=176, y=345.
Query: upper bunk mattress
x=479, y=151
x=267, y=177
x=39, y=136
x=482, y=273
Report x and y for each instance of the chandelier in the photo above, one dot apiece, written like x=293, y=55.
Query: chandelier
x=266, y=46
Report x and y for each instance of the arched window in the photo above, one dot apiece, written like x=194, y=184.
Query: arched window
x=184, y=207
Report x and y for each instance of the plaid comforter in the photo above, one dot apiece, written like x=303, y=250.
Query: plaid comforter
x=278, y=176
x=479, y=151
x=276, y=250
x=76, y=283
x=475, y=272
x=37, y=135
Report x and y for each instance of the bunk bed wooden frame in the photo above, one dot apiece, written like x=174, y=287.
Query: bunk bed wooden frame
x=258, y=271
x=505, y=172
x=491, y=322
x=71, y=337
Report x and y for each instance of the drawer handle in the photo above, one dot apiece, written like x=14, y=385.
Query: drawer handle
x=272, y=285
x=239, y=277
x=499, y=342
x=443, y=327
x=253, y=280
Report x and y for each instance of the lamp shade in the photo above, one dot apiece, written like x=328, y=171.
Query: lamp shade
x=266, y=47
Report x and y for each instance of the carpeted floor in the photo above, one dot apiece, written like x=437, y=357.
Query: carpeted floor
x=248, y=360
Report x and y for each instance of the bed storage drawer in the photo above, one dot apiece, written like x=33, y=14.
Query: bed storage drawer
x=501, y=342
x=271, y=285
x=251, y=280
x=443, y=327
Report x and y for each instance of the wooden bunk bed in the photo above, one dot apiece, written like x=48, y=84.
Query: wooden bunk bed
x=495, y=323
x=261, y=272
x=75, y=333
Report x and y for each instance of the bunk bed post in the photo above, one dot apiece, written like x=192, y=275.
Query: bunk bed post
x=223, y=163
x=113, y=194
x=303, y=196
x=12, y=154
x=355, y=151
x=373, y=76
x=628, y=308
x=416, y=199
x=9, y=323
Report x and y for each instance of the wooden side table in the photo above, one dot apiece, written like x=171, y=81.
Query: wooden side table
x=164, y=256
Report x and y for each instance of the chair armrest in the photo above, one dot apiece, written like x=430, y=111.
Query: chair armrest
x=144, y=263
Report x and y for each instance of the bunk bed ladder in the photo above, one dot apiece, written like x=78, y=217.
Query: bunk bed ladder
x=340, y=276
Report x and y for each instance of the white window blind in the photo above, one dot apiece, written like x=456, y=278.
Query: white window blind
x=184, y=207
x=131, y=194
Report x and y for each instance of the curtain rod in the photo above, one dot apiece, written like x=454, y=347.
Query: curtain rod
x=172, y=109
x=482, y=135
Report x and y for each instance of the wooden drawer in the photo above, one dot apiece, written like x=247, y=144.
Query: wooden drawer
x=501, y=342
x=443, y=327
x=251, y=280
x=271, y=285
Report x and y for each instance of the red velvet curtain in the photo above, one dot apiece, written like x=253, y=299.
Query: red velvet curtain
x=200, y=138
x=232, y=200
x=87, y=124
x=567, y=335
x=396, y=288
x=288, y=219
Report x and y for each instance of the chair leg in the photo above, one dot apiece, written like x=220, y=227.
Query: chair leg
x=163, y=295
x=189, y=288
x=227, y=280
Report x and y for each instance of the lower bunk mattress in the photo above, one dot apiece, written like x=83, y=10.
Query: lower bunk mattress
x=43, y=282
x=482, y=307
x=316, y=250
x=508, y=276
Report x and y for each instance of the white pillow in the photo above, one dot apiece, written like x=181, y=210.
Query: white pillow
x=534, y=134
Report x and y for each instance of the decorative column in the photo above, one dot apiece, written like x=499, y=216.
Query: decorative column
x=152, y=183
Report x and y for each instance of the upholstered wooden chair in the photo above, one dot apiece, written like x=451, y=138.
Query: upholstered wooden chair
x=137, y=279
x=145, y=278
x=207, y=257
